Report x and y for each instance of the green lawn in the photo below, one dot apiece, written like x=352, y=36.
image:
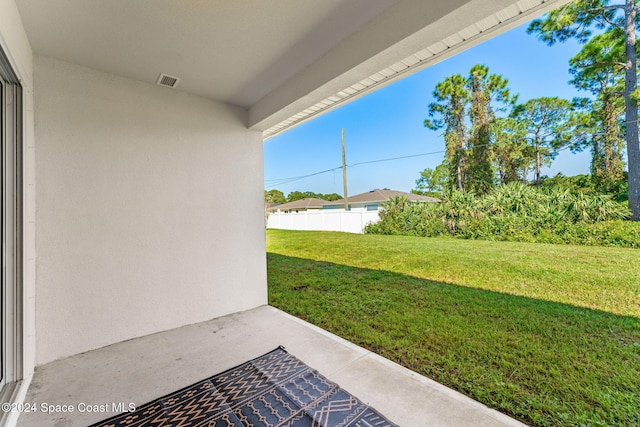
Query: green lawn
x=549, y=334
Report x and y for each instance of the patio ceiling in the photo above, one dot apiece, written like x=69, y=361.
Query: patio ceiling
x=284, y=61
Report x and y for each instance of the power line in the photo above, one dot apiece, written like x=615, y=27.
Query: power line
x=281, y=181
x=398, y=158
x=303, y=176
x=272, y=183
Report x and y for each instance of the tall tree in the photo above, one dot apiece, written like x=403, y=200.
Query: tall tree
x=598, y=68
x=486, y=90
x=547, y=125
x=465, y=108
x=577, y=20
x=512, y=155
x=449, y=112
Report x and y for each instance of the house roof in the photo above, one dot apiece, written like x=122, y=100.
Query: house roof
x=309, y=203
x=282, y=61
x=379, y=196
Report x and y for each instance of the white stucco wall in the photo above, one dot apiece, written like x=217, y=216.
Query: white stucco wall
x=150, y=210
x=15, y=45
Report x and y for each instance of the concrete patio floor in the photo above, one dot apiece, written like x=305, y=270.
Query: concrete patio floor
x=142, y=369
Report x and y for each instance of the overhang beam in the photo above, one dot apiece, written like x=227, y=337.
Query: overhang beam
x=383, y=52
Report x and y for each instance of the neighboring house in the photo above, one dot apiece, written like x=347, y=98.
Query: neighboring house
x=372, y=200
x=270, y=206
x=128, y=124
x=301, y=205
x=320, y=215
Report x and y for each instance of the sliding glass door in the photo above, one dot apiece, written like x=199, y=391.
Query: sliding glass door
x=3, y=292
x=10, y=228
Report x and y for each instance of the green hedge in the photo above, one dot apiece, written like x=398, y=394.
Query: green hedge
x=515, y=213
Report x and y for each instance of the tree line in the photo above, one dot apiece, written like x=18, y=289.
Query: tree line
x=491, y=139
x=278, y=197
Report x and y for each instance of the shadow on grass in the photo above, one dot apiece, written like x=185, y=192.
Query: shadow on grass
x=545, y=363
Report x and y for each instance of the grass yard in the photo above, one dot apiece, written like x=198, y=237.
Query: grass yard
x=549, y=334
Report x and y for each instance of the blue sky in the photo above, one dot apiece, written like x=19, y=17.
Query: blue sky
x=388, y=123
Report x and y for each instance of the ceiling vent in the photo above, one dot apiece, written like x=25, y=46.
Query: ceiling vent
x=168, y=81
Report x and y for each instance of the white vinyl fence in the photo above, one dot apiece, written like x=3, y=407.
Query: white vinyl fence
x=323, y=220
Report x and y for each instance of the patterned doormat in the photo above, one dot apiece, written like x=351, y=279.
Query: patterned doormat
x=275, y=389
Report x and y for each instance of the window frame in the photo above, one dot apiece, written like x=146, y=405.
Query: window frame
x=11, y=225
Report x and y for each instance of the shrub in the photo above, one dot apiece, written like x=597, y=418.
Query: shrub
x=515, y=212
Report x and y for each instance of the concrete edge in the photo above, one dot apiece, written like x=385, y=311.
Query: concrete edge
x=456, y=395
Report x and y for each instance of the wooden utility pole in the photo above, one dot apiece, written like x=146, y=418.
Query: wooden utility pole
x=344, y=174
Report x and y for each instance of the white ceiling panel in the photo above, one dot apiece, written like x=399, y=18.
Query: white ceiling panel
x=285, y=61
x=235, y=51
